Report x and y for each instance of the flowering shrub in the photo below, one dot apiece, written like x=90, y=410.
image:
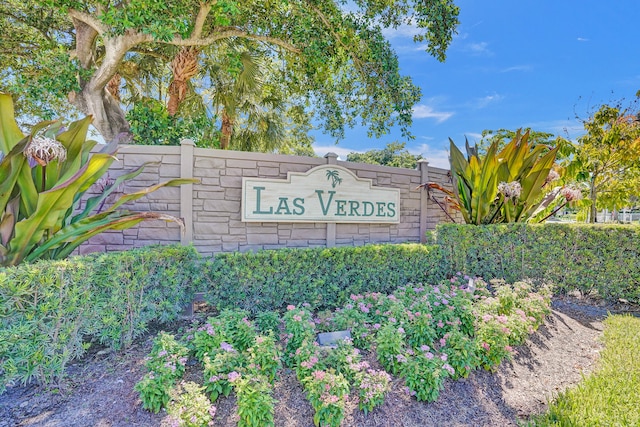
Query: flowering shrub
x=206, y=339
x=255, y=402
x=221, y=370
x=354, y=316
x=390, y=347
x=268, y=321
x=264, y=357
x=424, y=334
x=189, y=407
x=461, y=352
x=299, y=326
x=371, y=385
x=425, y=373
x=238, y=328
x=327, y=393
x=507, y=319
x=166, y=363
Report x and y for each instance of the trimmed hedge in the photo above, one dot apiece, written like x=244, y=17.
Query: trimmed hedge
x=323, y=277
x=590, y=258
x=49, y=309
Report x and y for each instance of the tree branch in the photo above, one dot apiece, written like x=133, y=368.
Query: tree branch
x=225, y=34
x=205, y=8
x=89, y=20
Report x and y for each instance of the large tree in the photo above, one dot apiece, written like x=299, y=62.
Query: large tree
x=394, y=154
x=332, y=52
x=607, y=157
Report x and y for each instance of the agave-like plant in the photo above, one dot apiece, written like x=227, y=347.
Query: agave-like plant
x=502, y=186
x=43, y=178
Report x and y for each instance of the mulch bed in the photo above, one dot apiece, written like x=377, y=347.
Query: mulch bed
x=99, y=389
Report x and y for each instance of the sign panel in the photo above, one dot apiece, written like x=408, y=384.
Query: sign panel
x=327, y=193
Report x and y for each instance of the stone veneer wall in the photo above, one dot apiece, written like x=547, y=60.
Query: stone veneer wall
x=211, y=208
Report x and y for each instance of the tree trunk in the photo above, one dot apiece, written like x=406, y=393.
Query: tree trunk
x=593, y=197
x=226, y=130
x=108, y=117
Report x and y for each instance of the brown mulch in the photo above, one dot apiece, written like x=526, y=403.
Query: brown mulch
x=99, y=389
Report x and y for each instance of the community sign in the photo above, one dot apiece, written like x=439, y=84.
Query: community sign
x=327, y=193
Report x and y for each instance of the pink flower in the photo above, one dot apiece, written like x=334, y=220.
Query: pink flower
x=486, y=346
x=232, y=376
x=291, y=307
x=318, y=375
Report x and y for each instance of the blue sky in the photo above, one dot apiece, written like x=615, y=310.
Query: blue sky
x=520, y=63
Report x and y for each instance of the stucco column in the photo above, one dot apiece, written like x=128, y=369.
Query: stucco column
x=186, y=190
x=423, y=167
x=332, y=159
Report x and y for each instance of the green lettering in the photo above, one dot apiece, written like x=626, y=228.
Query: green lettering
x=368, y=208
x=258, y=211
x=381, y=208
x=353, y=207
x=298, y=204
x=391, y=207
x=340, y=208
x=325, y=209
x=283, y=205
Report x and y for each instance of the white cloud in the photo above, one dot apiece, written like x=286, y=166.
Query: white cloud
x=404, y=30
x=582, y=39
x=478, y=49
x=422, y=111
x=438, y=158
x=517, y=68
x=569, y=128
x=483, y=102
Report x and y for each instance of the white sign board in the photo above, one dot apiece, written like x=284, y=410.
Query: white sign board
x=327, y=193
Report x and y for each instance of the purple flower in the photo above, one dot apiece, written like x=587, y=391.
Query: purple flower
x=232, y=376
x=226, y=346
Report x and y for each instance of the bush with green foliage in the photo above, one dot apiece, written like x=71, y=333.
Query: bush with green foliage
x=503, y=185
x=598, y=260
x=51, y=310
x=43, y=178
x=324, y=278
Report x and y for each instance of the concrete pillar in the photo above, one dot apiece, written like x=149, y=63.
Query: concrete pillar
x=423, y=167
x=186, y=191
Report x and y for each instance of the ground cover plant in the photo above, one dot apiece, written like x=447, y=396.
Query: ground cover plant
x=420, y=334
x=611, y=394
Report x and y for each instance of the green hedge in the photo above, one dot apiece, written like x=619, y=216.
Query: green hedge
x=590, y=258
x=324, y=278
x=50, y=309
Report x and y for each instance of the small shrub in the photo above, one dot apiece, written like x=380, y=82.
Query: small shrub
x=189, y=407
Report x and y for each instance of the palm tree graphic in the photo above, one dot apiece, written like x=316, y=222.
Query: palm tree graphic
x=334, y=176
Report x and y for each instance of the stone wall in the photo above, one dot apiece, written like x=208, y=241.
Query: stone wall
x=211, y=209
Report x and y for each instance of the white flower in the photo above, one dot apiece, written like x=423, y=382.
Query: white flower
x=510, y=190
x=571, y=193
x=553, y=176
x=45, y=150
